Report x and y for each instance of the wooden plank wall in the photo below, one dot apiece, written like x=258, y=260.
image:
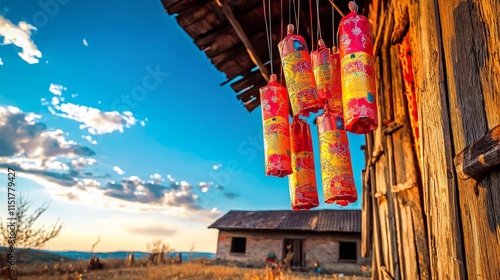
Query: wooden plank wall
x=470, y=36
x=426, y=222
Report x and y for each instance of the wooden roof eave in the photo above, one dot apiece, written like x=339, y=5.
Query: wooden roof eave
x=228, y=12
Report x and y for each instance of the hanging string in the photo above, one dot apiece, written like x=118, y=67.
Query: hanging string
x=297, y=15
x=290, y=11
x=333, y=28
x=281, y=37
x=268, y=31
x=270, y=11
x=312, y=28
x=295, y=12
x=298, y=18
x=318, y=24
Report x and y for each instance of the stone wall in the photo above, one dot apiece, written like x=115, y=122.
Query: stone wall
x=323, y=248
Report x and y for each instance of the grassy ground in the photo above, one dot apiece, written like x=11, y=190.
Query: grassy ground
x=186, y=271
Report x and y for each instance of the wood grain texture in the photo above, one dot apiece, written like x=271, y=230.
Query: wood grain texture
x=440, y=201
x=480, y=156
x=415, y=261
x=366, y=218
x=466, y=37
x=228, y=12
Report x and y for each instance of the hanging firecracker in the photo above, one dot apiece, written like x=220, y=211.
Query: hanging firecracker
x=335, y=160
x=299, y=76
x=334, y=103
x=302, y=181
x=358, y=77
x=276, y=128
x=320, y=59
x=342, y=202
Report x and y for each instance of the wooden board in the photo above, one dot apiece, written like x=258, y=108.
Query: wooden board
x=467, y=36
x=440, y=198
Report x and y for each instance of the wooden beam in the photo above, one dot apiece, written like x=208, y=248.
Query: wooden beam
x=376, y=155
x=366, y=219
x=394, y=126
x=379, y=194
x=480, y=156
x=337, y=8
x=401, y=26
x=228, y=12
x=387, y=275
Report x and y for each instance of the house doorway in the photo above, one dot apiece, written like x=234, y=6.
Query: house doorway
x=293, y=246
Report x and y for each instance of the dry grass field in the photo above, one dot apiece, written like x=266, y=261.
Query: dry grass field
x=187, y=271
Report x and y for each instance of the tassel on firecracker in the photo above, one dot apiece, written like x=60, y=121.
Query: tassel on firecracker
x=276, y=128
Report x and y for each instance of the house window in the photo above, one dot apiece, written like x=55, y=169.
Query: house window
x=347, y=251
x=238, y=244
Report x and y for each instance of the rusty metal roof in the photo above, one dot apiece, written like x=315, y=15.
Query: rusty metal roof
x=315, y=220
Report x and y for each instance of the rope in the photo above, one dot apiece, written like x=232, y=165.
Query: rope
x=281, y=38
x=311, y=22
x=318, y=26
x=268, y=32
x=334, y=43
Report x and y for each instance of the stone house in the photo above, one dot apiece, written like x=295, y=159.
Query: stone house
x=330, y=237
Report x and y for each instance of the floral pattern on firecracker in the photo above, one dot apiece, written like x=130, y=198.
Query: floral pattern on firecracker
x=322, y=75
x=300, y=83
x=355, y=34
x=302, y=182
x=358, y=92
x=277, y=147
x=336, y=167
x=274, y=101
x=334, y=103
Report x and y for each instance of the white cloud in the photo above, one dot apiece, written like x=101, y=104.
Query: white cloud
x=61, y=165
x=81, y=162
x=94, y=120
x=56, y=89
x=157, y=178
x=85, y=42
x=89, y=138
x=118, y=170
x=23, y=137
x=19, y=35
x=217, y=166
x=1, y=62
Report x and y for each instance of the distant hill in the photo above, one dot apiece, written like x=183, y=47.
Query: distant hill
x=31, y=255
x=186, y=256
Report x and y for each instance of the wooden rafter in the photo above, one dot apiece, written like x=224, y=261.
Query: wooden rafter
x=228, y=12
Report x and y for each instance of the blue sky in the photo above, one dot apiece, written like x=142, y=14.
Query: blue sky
x=112, y=114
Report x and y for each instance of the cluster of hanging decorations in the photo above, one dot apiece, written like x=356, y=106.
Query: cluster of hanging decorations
x=338, y=84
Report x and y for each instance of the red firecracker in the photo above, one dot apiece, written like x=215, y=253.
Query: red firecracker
x=274, y=103
x=358, y=77
x=334, y=103
x=302, y=181
x=299, y=76
x=335, y=159
x=342, y=202
x=320, y=59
